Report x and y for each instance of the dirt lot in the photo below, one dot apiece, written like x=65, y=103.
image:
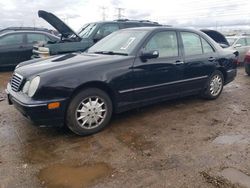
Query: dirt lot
x=181, y=143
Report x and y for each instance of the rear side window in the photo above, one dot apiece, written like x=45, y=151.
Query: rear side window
x=107, y=29
x=129, y=25
x=165, y=42
x=207, y=48
x=192, y=43
x=11, y=39
x=34, y=38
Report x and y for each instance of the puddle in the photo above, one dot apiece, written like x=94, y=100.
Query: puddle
x=236, y=177
x=134, y=140
x=231, y=139
x=62, y=175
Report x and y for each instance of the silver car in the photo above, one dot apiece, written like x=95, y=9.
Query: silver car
x=241, y=44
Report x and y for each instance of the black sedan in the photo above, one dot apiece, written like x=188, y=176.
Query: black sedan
x=16, y=46
x=128, y=69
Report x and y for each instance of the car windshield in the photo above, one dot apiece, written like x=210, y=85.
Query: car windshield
x=121, y=42
x=231, y=40
x=86, y=30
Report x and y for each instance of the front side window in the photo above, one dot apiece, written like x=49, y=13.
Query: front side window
x=11, y=39
x=192, y=43
x=242, y=42
x=34, y=38
x=107, y=29
x=165, y=43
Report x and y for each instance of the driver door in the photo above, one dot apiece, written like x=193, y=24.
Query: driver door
x=160, y=77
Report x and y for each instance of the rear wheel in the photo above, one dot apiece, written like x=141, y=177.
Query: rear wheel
x=89, y=111
x=214, y=86
x=247, y=69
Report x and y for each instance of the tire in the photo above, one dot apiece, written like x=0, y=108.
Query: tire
x=214, y=86
x=247, y=69
x=89, y=111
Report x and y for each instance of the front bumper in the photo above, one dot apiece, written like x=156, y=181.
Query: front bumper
x=37, y=111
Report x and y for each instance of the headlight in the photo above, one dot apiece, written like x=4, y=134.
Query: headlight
x=26, y=87
x=33, y=86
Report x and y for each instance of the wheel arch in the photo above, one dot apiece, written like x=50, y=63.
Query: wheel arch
x=99, y=85
x=224, y=73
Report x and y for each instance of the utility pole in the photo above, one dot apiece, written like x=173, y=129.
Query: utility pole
x=103, y=13
x=119, y=13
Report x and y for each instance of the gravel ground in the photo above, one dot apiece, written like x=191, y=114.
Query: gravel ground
x=181, y=143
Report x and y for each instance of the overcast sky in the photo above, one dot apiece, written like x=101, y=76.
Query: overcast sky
x=194, y=13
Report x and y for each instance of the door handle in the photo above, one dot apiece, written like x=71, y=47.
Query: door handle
x=211, y=59
x=179, y=62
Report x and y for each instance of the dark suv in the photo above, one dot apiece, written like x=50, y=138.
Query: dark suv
x=88, y=35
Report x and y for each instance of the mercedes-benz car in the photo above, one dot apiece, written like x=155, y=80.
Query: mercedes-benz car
x=128, y=69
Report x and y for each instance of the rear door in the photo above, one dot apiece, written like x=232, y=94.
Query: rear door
x=160, y=77
x=12, y=47
x=199, y=58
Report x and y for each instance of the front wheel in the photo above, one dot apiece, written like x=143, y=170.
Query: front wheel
x=89, y=111
x=247, y=69
x=214, y=86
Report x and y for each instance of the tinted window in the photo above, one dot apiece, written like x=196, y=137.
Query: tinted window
x=11, y=39
x=242, y=42
x=107, y=29
x=207, y=48
x=33, y=38
x=192, y=43
x=129, y=25
x=165, y=42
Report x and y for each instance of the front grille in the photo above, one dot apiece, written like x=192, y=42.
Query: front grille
x=16, y=82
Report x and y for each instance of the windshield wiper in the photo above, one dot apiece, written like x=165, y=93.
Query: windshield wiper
x=110, y=53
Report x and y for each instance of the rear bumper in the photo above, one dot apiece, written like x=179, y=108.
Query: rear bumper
x=231, y=74
x=37, y=111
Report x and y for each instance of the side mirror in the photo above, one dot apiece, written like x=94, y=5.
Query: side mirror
x=149, y=55
x=237, y=45
x=97, y=37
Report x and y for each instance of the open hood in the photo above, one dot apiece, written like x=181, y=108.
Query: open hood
x=58, y=24
x=217, y=37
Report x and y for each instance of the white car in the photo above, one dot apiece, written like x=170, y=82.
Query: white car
x=241, y=44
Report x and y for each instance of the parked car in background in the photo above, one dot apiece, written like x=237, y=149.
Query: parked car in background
x=241, y=44
x=16, y=46
x=247, y=62
x=127, y=69
x=8, y=29
x=217, y=37
x=88, y=35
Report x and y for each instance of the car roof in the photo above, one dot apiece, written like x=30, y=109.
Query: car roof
x=28, y=31
x=126, y=21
